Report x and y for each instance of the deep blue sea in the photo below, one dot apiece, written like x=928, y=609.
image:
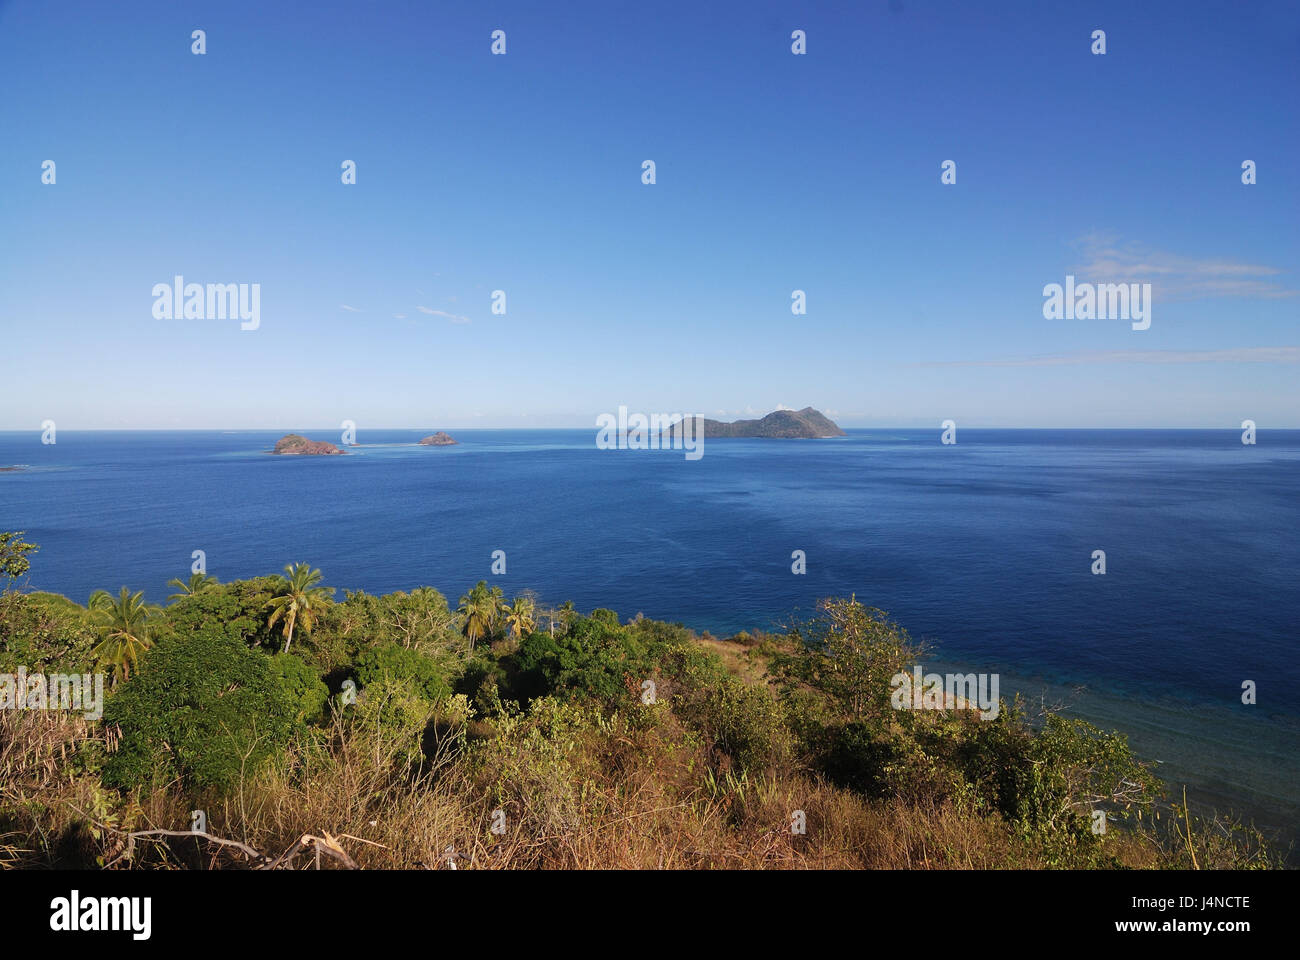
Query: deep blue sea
x=983, y=548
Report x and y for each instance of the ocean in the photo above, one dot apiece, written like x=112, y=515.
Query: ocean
x=984, y=548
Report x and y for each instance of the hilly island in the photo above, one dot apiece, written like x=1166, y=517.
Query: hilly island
x=805, y=424
x=439, y=439
x=293, y=444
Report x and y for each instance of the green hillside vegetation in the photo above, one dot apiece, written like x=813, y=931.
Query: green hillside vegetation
x=396, y=731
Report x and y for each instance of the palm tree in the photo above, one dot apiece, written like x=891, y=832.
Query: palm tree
x=126, y=633
x=197, y=583
x=479, y=608
x=521, y=616
x=298, y=598
x=497, y=599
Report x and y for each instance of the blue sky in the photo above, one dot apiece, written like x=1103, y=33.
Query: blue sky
x=522, y=173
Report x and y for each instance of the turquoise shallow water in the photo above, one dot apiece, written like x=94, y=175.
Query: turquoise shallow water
x=984, y=548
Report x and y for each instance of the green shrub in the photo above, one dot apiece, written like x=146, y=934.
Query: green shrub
x=204, y=708
x=303, y=685
x=419, y=620
x=395, y=718
x=530, y=769
x=236, y=610
x=1071, y=768
x=595, y=657
x=388, y=661
x=44, y=632
x=687, y=667
x=1047, y=782
x=745, y=722
x=604, y=616
x=850, y=652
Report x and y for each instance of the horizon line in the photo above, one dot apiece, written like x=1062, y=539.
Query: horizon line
x=938, y=426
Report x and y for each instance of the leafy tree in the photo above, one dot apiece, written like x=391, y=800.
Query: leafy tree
x=207, y=709
x=44, y=632
x=605, y=616
x=358, y=620
x=417, y=618
x=299, y=598
x=124, y=625
x=851, y=652
x=236, y=609
x=197, y=583
x=1071, y=768
x=302, y=684
x=392, y=662
x=13, y=556
x=596, y=657
x=39, y=631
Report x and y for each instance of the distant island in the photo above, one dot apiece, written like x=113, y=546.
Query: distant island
x=438, y=439
x=805, y=424
x=293, y=444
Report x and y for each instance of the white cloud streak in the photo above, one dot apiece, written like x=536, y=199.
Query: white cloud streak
x=1231, y=355
x=453, y=317
x=1174, y=277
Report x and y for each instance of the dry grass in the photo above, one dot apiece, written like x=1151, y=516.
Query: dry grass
x=741, y=661
x=621, y=797
x=635, y=814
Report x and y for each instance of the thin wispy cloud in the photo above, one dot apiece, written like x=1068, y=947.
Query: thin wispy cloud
x=453, y=317
x=1174, y=277
x=1232, y=355
x=344, y=306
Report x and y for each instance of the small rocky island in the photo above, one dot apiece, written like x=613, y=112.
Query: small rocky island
x=805, y=424
x=293, y=444
x=438, y=439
